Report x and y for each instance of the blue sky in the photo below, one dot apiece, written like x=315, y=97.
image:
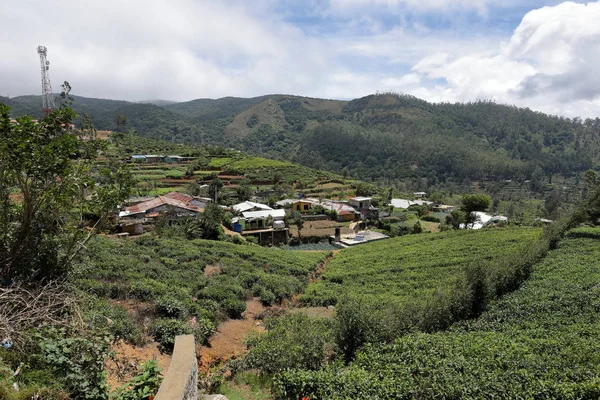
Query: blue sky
x=534, y=53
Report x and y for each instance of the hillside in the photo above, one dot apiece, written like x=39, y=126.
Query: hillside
x=384, y=137
x=537, y=342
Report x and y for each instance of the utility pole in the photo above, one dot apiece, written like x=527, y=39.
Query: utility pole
x=47, y=99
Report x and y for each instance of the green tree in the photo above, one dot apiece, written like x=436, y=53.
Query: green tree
x=244, y=191
x=51, y=190
x=213, y=189
x=474, y=202
x=298, y=221
x=120, y=121
x=210, y=221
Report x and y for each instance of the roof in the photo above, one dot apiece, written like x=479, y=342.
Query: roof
x=340, y=208
x=175, y=157
x=263, y=214
x=136, y=156
x=250, y=205
x=402, y=203
x=174, y=199
x=419, y=193
x=285, y=202
x=360, y=198
x=153, y=156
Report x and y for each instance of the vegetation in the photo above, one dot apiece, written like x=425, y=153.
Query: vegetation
x=533, y=343
x=403, y=269
x=368, y=138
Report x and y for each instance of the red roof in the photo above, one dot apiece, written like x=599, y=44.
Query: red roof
x=173, y=199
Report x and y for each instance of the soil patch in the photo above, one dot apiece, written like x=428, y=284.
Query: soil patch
x=128, y=359
x=228, y=341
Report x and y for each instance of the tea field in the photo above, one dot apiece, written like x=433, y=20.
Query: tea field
x=179, y=279
x=398, y=269
x=539, y=342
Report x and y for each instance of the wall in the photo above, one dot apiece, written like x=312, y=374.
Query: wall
x=181, y=381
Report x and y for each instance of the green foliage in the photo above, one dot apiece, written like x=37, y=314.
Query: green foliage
x=51, y=170
x=291, y=341
x=77, y=362
x=164, y=332
x=142, y=386
x=536, y=342
x=407, y=268
x=475, y=202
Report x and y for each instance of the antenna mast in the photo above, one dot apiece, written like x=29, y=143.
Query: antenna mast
x=47, y=99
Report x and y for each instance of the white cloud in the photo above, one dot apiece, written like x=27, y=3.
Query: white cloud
x=186, y=49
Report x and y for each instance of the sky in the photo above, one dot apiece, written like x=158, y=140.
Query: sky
x=541, y=54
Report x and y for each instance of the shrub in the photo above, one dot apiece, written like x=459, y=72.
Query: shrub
x=292, y=341
x=165, y=330
x=431, y=218
x=170, y=307
x=233, y=307
x=145, y=385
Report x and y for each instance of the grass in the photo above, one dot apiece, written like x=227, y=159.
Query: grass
x=247, y=385
x=397, y=269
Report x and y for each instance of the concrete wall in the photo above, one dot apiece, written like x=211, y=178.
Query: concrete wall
x=181, y=381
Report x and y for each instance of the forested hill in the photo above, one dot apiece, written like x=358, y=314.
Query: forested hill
x=378, y=136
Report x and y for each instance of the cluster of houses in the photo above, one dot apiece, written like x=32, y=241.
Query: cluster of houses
x=155, y=158
x=249, y=216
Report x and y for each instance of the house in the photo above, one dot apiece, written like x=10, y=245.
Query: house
x=363, y=205
x=174, y=159
x=153, y=158
x=296, y=205
x=250, y=206
x=138, y=158
x=177, y=204
x=252, y=220
x=444, y=208
x=360, y=203
x=420, y=194
x=345, y=212
x=404, y=204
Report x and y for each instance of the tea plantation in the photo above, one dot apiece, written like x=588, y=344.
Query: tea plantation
x=539, y=342
x=180, y=279
x=398, y=269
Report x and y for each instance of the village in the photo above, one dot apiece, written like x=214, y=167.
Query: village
x=288, y=220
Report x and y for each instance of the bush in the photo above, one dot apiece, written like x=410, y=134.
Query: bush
x=170, y=307
x=292, y=341
x=144, y=386
x=431, y=218
x=165, y=330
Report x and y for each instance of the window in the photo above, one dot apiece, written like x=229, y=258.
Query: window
x=306, y=206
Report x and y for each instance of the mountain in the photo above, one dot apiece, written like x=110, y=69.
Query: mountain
x=157, y=102
x=391, y=137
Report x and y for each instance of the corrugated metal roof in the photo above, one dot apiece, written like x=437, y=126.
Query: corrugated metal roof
x=250, y=205
x=264, y=214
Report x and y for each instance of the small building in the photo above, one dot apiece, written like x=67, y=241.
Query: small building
x=175, y=159
x=260, y=219
x=420, y=194
x=138, y=158
x=444, y=208
x=344, y=211
x=250, y=206
x=153, y=158
x=360, y=203
x=174, y=203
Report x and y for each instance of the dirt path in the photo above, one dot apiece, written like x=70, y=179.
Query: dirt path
x=228, y=341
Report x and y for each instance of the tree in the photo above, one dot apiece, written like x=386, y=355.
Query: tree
x=244, y=191
x=474, y=202
x=210, y=221
x=298, y=221
x=213, y=189
x=120, y=121
x=51, y=190
x=456, y=218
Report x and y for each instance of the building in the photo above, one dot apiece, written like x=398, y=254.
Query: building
x=151, y=158
x=250, y=206
x=420, y=194
x=344, y=211
x=174, y=203
x=262, y=219
x=175, y=159
x=404, y=204
x=364, y=207
x=443, y=208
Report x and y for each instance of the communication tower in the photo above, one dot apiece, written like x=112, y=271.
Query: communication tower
x=47, y=99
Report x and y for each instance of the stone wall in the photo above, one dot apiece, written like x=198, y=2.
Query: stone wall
x=181, y=381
